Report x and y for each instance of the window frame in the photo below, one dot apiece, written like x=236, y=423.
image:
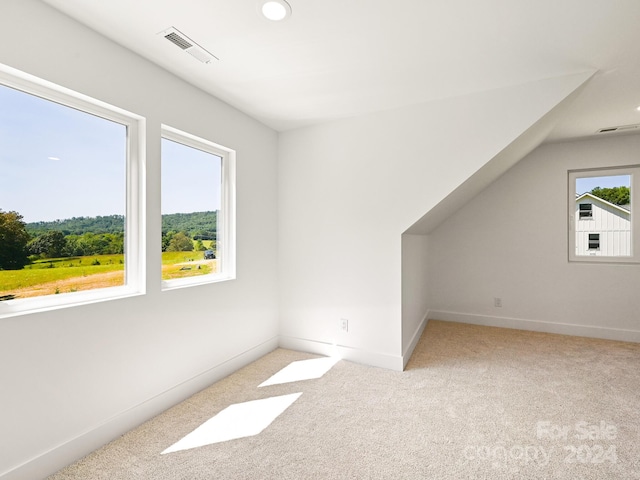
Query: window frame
x=225, y=222
x=135, y=272
x=634, y=172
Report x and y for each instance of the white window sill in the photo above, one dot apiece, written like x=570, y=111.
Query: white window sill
x=195, y=281
x=25, y=306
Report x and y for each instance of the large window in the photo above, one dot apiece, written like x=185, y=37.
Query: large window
x=69, y=197
x=602, y=204
x=197, y=210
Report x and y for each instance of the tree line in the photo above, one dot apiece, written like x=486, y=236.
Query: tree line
x=184, y=232
x=615, y=195
x=79, y=225
x=54, y=244
x=21, y=242
x=197, y=225
x=173, y=241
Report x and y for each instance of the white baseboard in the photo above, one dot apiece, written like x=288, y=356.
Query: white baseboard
x=357, y=355
x=539, y=326
x=50, y=462
x=406, y=355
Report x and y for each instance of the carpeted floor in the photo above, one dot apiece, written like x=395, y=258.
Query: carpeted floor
x=474, y=403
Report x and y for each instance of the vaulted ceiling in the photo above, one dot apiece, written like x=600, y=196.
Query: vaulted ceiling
x=333, y=58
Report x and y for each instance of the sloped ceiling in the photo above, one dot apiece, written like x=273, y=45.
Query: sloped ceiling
x=334, y=59
x=558, y=96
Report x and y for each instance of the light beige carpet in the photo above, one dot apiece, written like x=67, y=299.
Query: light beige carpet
x=474, y=403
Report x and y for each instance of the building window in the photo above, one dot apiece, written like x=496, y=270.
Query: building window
x=586, y=211
x=198, y=212
x=69, y=197
x=601, y=207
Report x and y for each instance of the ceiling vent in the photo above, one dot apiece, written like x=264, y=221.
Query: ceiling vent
x=622, y=128
x=178, y=38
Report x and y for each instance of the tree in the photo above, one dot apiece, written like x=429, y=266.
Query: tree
x=180, y=242
x=13, y=241
x=200, y=246
x=166, y=240
x=116, y=243
x=615, y=195
x=51, y=244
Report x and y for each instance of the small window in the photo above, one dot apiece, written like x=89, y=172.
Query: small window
x=69, y=197
x=602, y=203
x=586, y=211
x=198, y=214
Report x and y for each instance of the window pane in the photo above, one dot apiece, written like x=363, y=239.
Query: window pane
x=62, y=198
x=586, y=211
x=604, y=215
x=191, y=201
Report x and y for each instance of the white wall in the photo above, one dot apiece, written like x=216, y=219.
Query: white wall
x=511, y=242
x=73, y=378
x=415, y=284
x=350, y=188
x=338, y=196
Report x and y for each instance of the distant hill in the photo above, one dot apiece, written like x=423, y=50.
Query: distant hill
x=79, y=225
x=199, y=225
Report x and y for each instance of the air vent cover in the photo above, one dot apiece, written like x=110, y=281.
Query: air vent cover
x=178, y=38
x=621, y=128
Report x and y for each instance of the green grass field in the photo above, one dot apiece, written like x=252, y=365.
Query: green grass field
x=185, y=264
x=55, y=269
x=69, y=274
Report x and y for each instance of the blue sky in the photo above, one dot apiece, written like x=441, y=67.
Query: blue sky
x=190, y=179
x=57, y=162
x=586, y=184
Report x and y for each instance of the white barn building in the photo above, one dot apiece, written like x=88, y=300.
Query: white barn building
x=602, y=228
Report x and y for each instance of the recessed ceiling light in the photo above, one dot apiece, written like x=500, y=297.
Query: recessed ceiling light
x=275, y=10
x=638, y=108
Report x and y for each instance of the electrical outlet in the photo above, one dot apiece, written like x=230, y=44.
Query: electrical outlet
x=497, y=302
x=344, y=324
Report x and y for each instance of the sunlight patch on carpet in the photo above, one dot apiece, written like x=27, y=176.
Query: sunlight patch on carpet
x=236, y=421
x=302, y=370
